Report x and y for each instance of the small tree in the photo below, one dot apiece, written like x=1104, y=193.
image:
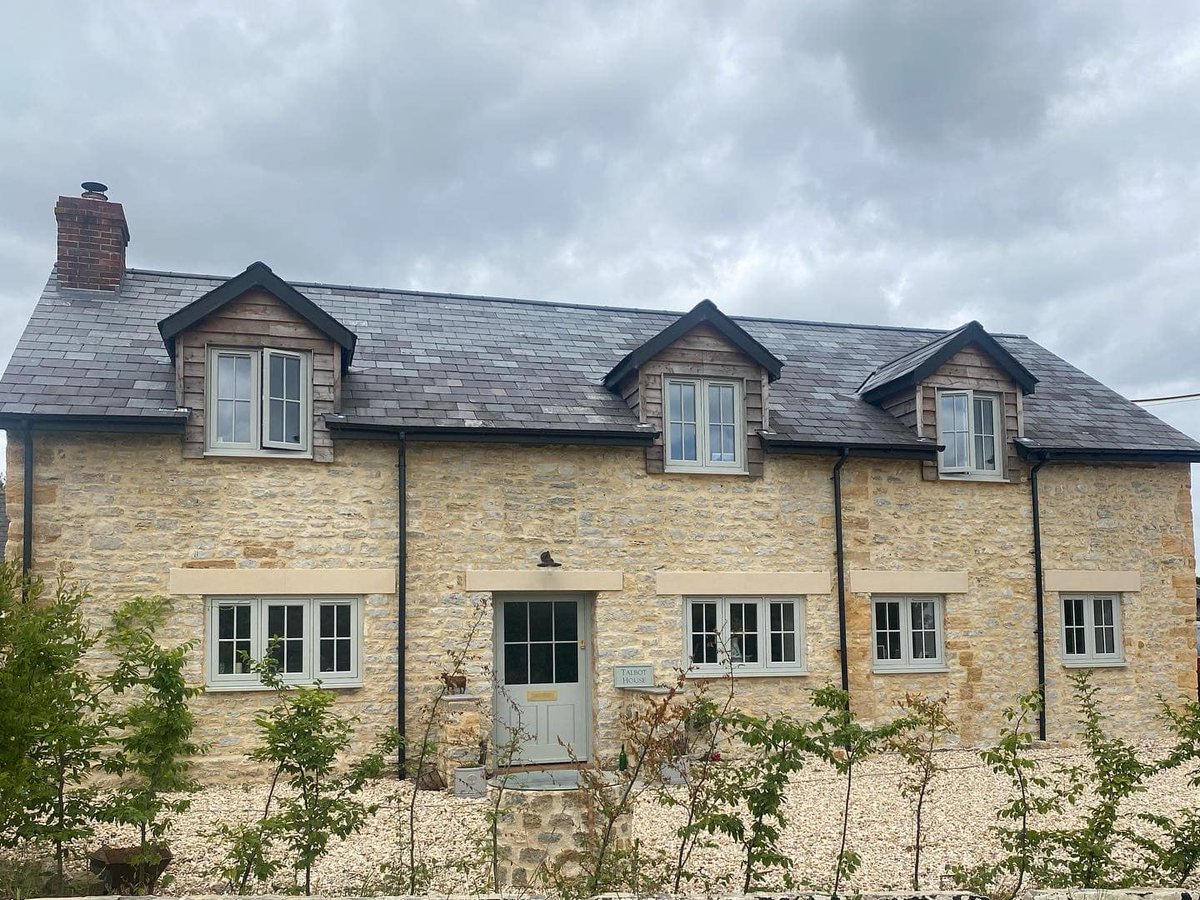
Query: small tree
x=1173, y=856
x=50, y=713
x=843, y=741
x=303, y=739
x=931, y=724
x=154, y=746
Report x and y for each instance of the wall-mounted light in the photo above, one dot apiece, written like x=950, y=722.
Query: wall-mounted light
x=546, y=561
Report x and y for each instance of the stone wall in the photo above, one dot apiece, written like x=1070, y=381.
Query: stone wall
x=120, y=511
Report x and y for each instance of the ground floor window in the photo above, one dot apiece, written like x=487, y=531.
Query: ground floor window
x=909, y=633
x=311, y=639
x=1091, y=629
x=753, y=635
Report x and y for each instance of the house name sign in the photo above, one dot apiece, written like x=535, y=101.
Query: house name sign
x=633, y=676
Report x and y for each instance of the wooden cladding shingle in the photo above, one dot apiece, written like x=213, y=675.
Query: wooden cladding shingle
x=702, y=353
x=256, y=320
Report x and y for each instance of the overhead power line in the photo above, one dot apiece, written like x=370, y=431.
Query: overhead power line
x=1172, y=399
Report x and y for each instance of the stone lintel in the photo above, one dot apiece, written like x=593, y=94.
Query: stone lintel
x=303, y=582
x=865, y=581
x=712, y=583
x=497, y=580
x=1114, y=581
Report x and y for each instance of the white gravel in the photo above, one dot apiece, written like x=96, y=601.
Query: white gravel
x=959, y=810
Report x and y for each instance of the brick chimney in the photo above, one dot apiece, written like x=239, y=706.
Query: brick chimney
x=92, y=236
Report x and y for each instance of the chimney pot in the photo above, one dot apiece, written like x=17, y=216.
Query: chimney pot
x=92, y=236
x=94, y=190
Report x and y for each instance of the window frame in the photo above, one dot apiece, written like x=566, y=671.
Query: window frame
x=765, y=667
x=259, y=444
x=702, y=463
x=971, y=470
x=906, y=664
x=259, y=606
x=1090, y=659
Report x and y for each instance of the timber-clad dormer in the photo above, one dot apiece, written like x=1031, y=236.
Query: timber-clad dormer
x=965, y=390
x=701, y=384
x=259, y=367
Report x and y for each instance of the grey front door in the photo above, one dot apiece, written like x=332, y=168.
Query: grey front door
x=541, y=661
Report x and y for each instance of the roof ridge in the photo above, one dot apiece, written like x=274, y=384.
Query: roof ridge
x=566, y=304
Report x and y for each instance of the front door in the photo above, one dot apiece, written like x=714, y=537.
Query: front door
x=541, y=659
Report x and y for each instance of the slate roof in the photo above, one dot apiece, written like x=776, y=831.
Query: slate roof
x=437, y=361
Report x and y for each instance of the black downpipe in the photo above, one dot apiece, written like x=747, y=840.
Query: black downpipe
x=840, y=559
x=1039, y=594
x=27, y=502
x=401, y=599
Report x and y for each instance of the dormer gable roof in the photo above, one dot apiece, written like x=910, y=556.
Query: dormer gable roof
x=912, y=368
x=704, y=312
x=258, y=276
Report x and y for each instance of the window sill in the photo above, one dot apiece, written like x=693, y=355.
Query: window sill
x=697, y=674
x=219, y=688
x=958, y=476
x=1094, y=663
x=702, y=470
x=909, y=670
x=261, y=454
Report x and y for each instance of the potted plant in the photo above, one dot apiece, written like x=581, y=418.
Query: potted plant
x=153, y=748
x=471, y=781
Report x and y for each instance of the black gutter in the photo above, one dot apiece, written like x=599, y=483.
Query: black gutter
x=1039, y=593
x=27, y=501
x=840, y=559
x=484, y=434
x=401, y=599
x=1107, y=454
x=141, y=424
x=875, y=451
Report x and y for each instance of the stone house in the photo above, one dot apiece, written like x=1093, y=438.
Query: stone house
x=366, y=480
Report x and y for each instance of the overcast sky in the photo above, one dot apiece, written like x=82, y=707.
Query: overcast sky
x=1032, y=165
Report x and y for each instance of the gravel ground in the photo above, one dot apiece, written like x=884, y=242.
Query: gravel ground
x=959, y=810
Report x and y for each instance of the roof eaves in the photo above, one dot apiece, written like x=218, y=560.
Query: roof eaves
x=258, y=275
x=704, y=312
x=1032, y=450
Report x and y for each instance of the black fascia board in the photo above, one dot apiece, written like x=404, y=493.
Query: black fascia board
x=971, y=333
x=483, y=434
x=703, y=312
x=833, y=448
x=1106, y=454
x=168, y=424
x=258, y=275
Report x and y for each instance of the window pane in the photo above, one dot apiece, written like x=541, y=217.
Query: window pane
x=541, y=622
x=225, y=379
x=225, y=620
x=985, y=422
x=241, y=378
x=689, y=443
x=343, y=655
x=328, y=611
x=328, y=654
x=243, y=622
x=704, y=633
x=516, y=664
x=565, y=624
x=952, y=418
x=566, y=663
x=295, y=621
x=275, y=384
x=225, y=657
x=516, y=621
x=681, y=421
x=241, y=421
x=225, y=420
x=343, y=620
x=789, y=648
x=887, y=630
x=689, y=402
x=291, y=367
x=1106, y=632
x=295, y=656
x=291, y=422
x=1074, y=629
x=541, y=663
x=276, y=431
x=275, y=616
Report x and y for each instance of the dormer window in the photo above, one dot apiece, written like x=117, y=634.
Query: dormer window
x=704, y=425
x=969, y=430
x=259, y=401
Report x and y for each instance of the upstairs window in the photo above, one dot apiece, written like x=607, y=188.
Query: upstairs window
x=259, y=400
x=1091, y=626
x=969, y=429
x=704, y=425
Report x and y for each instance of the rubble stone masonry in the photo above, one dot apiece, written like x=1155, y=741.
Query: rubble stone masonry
x=119, y=512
